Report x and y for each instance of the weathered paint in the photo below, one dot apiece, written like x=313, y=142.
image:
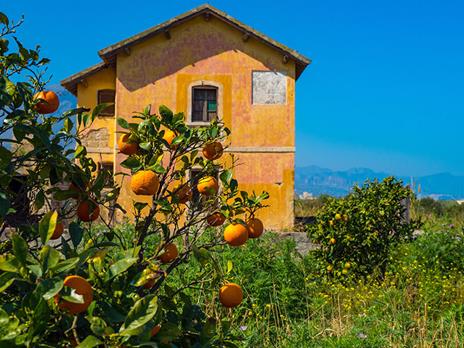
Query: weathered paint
x=161, y=71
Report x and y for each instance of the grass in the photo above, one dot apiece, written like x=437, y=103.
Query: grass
x=419, y=303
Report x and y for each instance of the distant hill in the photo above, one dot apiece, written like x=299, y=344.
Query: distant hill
x=317, y=181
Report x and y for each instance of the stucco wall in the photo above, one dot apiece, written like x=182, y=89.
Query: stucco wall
x=161, y=71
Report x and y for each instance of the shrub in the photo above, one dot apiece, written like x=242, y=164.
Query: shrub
x=356, y=233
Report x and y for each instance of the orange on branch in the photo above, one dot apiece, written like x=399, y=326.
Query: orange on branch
x=216, y=219
x=208, y=186
x=59, y=228
x=88, y=210
x=230, y=295
x=48, y=102
x=169, y=136
x=81, y=287
x=126, y=146
x=255, y=228
x=170, y=253
x=144, y=182
x=236, y=234
x=213, y=151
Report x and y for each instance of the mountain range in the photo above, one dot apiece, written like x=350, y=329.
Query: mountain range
x=316, y=181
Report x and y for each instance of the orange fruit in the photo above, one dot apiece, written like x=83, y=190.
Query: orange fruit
x=144, y=182
x=170, y=253
x=155, y=330
x=208, y=186
x=169, y=136
x=216, y=219
x=236, y=234
x=81, y=287
x=230, y=295
x=183, y=193
x=125, y=146
x=59, y=228
x=88, y=210
x=48, y=102
x=255, y=228
x=213, y=151
x=332, y=241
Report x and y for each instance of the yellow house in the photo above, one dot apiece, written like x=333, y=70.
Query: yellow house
x=206, y=64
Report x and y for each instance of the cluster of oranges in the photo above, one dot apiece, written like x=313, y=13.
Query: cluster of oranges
x=146, y=182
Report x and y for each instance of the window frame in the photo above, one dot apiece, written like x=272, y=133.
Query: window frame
x=219, y=100
x=113, y=106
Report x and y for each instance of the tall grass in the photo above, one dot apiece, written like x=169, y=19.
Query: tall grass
x=419, y=303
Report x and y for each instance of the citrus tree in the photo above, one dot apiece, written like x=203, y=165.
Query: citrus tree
x=356, y=233
x=68, y=277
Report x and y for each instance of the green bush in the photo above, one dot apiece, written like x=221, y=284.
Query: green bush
x=356, y=233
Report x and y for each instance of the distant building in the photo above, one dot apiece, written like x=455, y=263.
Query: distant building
x=306, y=195
x=208, y=65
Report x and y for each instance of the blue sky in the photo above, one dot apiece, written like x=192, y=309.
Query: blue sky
x=385, y=90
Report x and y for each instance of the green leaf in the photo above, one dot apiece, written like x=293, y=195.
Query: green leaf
x=145, y=146
x=123, y=123
x=226, y=176
x=4, y=205
x=4, y=19
x=51, y=287
x=6, y=279
x=76, y=232
x=131, y=163
x=90, y=342
x=20, y=249
x=9, y=263
x=98, y=109
x=121, y=266
x=47, y=226
x=8, y=326
x=68, y=125
x=230, y=265
x=49, y=258
x=157, y=168
x=66, y=265
x=140, y=314
x=80, y=150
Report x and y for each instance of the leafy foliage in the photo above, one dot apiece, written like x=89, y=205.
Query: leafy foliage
x=356, y=233
x=46, y=176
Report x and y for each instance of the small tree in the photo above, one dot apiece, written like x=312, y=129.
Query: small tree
x=356, y=233
x=100, y=285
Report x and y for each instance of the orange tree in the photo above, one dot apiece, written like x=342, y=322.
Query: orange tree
x=98, y=284
x=357, y=233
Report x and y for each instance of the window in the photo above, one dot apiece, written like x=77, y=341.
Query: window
x=204, y=104
x=107, y=96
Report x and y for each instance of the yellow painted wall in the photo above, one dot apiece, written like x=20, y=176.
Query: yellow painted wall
x=161, y=71
x=87, y=96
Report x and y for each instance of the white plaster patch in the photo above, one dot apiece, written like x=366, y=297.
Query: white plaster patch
x=269, y=87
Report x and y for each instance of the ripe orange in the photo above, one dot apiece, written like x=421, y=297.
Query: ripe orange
x=88, y=210
x=48, y=104
x=81, y=287
x=213, y=151
x=170, y=253
x=255, y=228
x=59, y=228
x=216, y=219
x=144, y=182
x=155, y=330
x=230, y=295
x=125, y=146
x=169, y=136
x=208, y=186
x=183, y=193
x=236, y=234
